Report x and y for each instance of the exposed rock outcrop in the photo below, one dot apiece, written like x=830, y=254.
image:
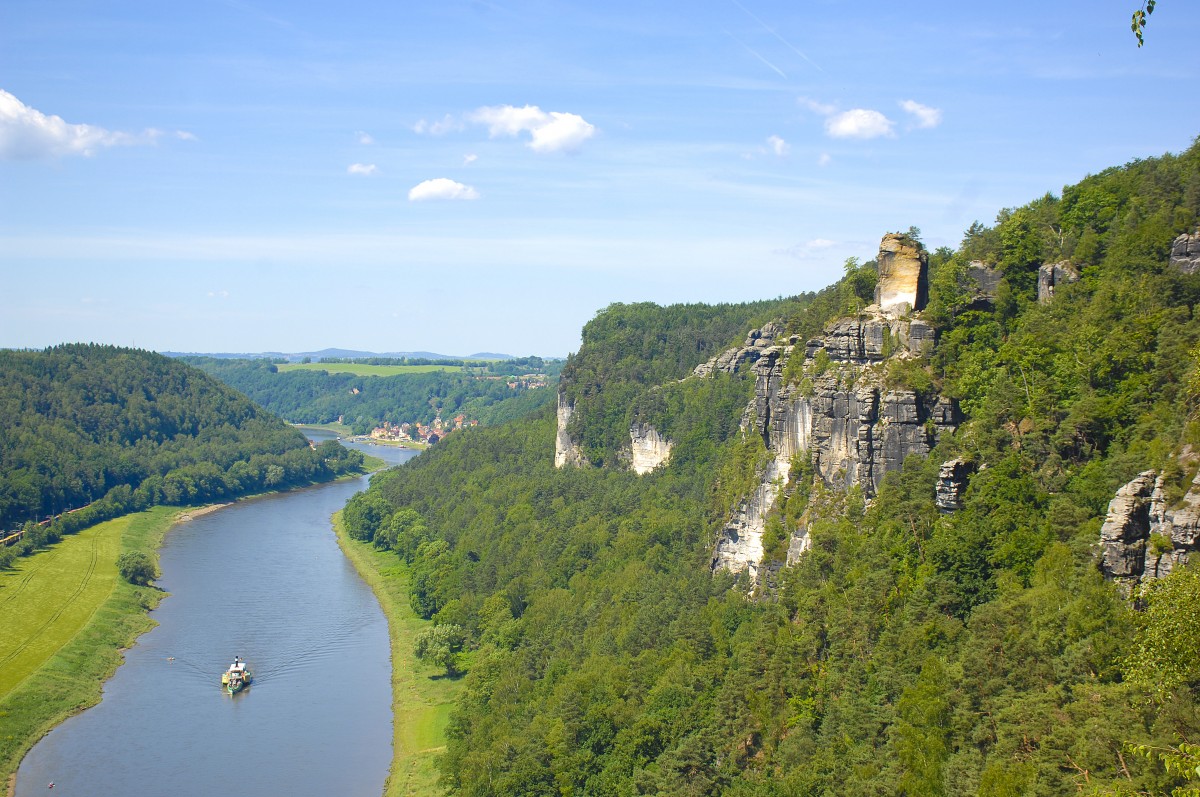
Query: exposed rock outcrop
x=903, y=279
x=853, y=427
x=566, y=450
x=872, y=338
x=1052, y=276
x=740, y=545
x=1185, y=253
x=757, y=342
x=952, y=484
x=647, y=448
x=983, y=282
x=1142, y=538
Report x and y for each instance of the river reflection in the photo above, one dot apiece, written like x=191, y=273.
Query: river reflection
x=265, y=580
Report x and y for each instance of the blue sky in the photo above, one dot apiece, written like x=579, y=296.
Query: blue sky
x=485, y=176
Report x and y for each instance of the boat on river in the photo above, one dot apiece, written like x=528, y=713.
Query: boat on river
x=237, y=677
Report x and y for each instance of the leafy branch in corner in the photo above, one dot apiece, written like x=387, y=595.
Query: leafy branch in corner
x=1140, y=17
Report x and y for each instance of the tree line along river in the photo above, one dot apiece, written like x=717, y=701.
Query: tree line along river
x=263, y=579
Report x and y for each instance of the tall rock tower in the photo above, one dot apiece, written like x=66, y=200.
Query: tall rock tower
x=903, y=285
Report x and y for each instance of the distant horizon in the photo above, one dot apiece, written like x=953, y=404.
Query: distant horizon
x=272, y=175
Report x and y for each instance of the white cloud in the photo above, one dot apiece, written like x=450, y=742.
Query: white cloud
x=925, y=116
x=218, y=294
x=184, y=135
x=469, y=158
x=858, y=123
x=364, y=138
x=27, y=133
x=448, y=124
x=778, y=146
x=825, y=159
x=816, y=107
x=365, y=169
x=549, y=132
x=441, y=188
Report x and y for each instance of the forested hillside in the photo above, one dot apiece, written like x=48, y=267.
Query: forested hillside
x=364, y=402
x=123, y=429
x=905, y=650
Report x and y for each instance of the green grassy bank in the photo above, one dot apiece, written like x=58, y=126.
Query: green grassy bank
x=421, y=700
x=65, y=617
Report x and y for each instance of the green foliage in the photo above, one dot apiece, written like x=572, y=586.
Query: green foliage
x=440, y=646
x=137, y=567
x=364, y=402
x=91, y=432
x=908, y=651
x=628, y=348
x=1166, y=652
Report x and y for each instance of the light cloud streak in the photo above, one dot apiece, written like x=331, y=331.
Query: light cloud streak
x=28, y=134
x=925, y=116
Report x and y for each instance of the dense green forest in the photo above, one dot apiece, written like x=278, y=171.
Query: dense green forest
x=907, y=652
x=632, y=346
x=364, y=402
x=117, y=430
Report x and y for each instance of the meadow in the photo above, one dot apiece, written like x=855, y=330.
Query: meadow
x=65, y=617
x=363, y=369
x=421, y=695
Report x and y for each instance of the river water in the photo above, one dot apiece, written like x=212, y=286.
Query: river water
x=263, y=579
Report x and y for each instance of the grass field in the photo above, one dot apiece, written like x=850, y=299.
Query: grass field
x=362, y=369
x=65, y=617
x=421, y=700
x=48, y=597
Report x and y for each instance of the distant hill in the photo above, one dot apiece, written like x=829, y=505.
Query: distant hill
x=341, y=354
x=123, y=429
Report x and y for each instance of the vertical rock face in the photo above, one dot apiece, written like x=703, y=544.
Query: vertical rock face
x=1142, y=538
x=1052, y=276
x=853, y=428
x=648, y=449
x=740, y=544
x=983, y=282
x=951, y=485
x=902, y=286
x=566, y=451
x=1185, y=253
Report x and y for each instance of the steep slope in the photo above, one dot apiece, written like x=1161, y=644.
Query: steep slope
x=925, y=610
x=123, y=429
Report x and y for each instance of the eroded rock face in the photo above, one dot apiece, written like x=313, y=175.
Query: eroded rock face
x=952, y=484
x=566, y=451
x=854, y=429
x=1052, y=276
x=983, y=282
x=740, y=545
x=757, y=341
x=902, y=286
x=1142, y=539
x=872, y=338
x=647, y=448
x=1185, y=253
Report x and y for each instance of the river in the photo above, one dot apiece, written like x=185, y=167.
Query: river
x=262, y=579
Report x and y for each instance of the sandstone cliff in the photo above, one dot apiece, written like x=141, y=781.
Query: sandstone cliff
x=1143, y=538
x=566, y=450
x=647, y=448
x=843, y=416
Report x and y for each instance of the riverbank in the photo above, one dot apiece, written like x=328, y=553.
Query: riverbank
x=109, y=613
x=421, y=701
x=63, y=665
